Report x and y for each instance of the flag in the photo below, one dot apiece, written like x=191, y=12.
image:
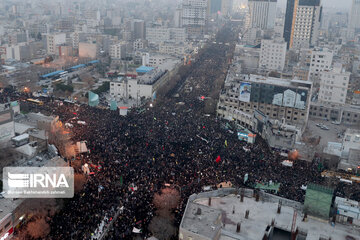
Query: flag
x=226, y=143
x=121, y=180
x=218, y=159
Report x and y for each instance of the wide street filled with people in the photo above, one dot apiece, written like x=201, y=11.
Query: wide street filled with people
x=168, y=145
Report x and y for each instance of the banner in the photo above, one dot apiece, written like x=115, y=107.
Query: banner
x=113, y=106
x=245, y=92
x=93, y=99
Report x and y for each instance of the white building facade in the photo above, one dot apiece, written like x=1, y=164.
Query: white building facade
x=118, y=51
x=334, y=86
x=273, y=54
x=194, y=15
x=321, y=60
x=306, y=24
x=157, y=35
x=262, y=13
x=53, y=40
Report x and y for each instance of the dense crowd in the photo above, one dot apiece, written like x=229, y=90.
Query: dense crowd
x=140, y=153
x=171, y=143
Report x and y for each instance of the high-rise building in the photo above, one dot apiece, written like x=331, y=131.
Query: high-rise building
x=226, y=7
x=194, y=14
x=138, y=29
x=214, y=6
x=178, y=17
x=302, y=23
x=354, y=20
x=262, y=13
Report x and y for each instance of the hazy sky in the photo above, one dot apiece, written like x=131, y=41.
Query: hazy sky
x=340, y=4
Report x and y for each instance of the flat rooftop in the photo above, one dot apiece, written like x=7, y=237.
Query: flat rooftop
x=276, y=81
x=260, y=217
x=208, y=218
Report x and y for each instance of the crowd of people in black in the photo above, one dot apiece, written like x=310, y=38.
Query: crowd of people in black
x=168, y=145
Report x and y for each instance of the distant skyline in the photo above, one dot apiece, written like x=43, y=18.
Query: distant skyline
x=335, y=4
x=339, y=4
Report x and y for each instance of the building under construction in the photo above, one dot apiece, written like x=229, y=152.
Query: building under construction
x=245, y=214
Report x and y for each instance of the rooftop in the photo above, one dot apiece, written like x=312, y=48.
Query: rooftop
x=261, y=214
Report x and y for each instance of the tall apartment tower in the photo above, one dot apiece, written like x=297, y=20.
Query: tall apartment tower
x=302, y=23
x=354, y=19
x=138, y=29
x=262, y=13
x=194, y=14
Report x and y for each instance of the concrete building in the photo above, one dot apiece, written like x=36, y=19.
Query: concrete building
x=276, y=98
x=7, y=126
x=139, y=44
x=348, y=211
x=157, y=35
x=262, y=13
x=53, y=41
x=129, y=88
x=88, y=50
x=178, y=17
x=246, y=214
x=321, y=60
x=354, y=18
x=118, y=51
x=302, y=23
x=138, y=29
x=20, y=52
x=173, y=49
x=226, y=7
x=344, y=114
x=273, y=54
x=194, y=15
x=155, y=60
x=334, y=86
x=277, y=133
x=178, y=35
x=350, y=154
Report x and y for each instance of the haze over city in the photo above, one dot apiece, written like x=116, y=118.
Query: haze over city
x=183, y=119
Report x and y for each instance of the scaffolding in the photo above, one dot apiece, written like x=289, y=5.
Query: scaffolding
x=318, y=200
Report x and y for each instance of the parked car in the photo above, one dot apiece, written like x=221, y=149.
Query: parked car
x=324, y=127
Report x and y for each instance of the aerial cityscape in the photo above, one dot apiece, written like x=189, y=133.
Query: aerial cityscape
x=180, y=119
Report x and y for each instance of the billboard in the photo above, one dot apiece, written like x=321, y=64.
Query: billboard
x=245, y=92
x=93, y=99
x=279, y=95
x=294, y=98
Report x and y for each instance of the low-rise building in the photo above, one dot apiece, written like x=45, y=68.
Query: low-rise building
x=230, y=214
x=88, y=50
x=348, y=211
x=171, y=48
x=334, y=86
x=118, y=51
x=346, y=114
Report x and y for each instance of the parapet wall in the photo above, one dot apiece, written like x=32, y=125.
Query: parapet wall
x=266, y=197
